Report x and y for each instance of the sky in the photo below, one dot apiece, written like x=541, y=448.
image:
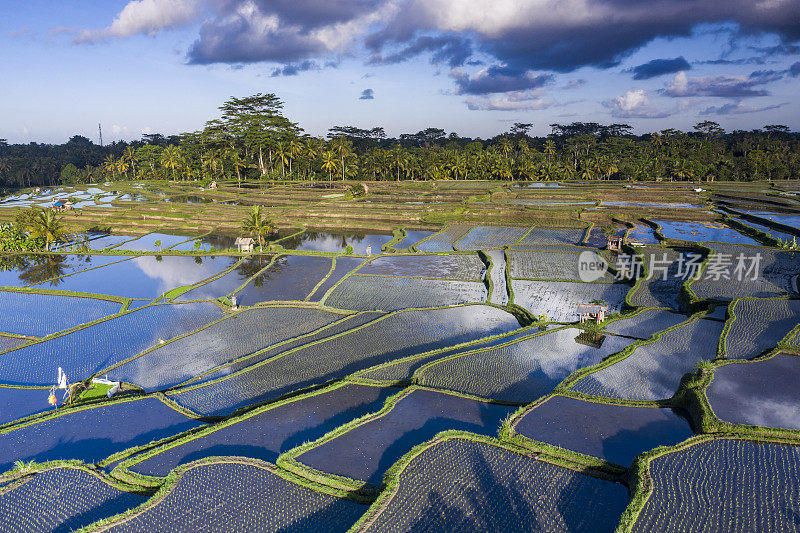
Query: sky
x=473, y=67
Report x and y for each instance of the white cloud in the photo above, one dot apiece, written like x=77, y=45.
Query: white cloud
x=116, y=129
x=633, y=104
x=144, y=17
x=513, y=101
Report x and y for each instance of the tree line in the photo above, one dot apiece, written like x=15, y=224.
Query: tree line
x=252, y=139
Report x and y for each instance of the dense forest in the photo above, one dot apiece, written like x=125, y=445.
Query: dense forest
x=252, y=139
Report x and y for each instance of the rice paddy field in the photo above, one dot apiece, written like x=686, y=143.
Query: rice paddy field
x=412, y=360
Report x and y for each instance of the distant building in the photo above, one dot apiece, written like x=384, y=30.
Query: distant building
x=592, y=312
x=245, y=244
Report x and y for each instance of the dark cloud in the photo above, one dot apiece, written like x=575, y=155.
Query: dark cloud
x=244, y=39
x=778, y=50
x=367, y=94
x=722, y=86
x=737, y=109
x=293, y=69
x=526, y=35
x=451, y=49
x=794, y=70
x=743, y=61
x=659, y=67
x=545, y=36
x=498, y=79
x=574, y=84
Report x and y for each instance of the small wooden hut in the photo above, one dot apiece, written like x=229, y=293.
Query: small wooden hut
x=245, y=244
x=614, y=244
x=592, y=312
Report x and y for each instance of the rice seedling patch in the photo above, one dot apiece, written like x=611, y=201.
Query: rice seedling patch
x=724, y=485
x=772, y=278
x=367, y=451
x=703, y=232
x=787, y=220
x=499, y=294
x=488, y=237
x=525, y=370
x=411, y=238
x=541, y=265
x=62, y=499
x=365, y=293
x=443, y=242
x=454, y=267
x=553, y=236
x=44, y=314
x=758, y=394
x=237, y=336
x=144, y=277
x=348, y=323
x=9, y=343
x=667, y=271
x=642, y=234
x=18, y=403
x=776, y=234
x=404, y=369
x=462, y=485
x=92, y=434
x=759, y=325
x=396, y=336
x=645, y=324
x=84, y=352
x=654, y=371
x=559, y=300
x=273, y=430
x=344, y=265
x=231, y=495
x=615, y=433
x=290, y=277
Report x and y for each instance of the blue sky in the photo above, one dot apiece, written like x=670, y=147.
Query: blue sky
x=469, y=66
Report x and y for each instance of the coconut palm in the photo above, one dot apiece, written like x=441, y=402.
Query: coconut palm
x=256, y=225
x=329, y=163
x=171, y=159
x=46, y=225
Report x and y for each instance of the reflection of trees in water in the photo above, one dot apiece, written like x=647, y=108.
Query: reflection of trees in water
x=252, y=266
x=220, y=242
x=37, y=268
x=342, y=238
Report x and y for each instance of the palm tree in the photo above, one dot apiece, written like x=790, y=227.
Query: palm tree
x=549, y=150
x=257, y=226
x=171, y=158
x=399, y=159
x=110, y=165
x=130, y=155
x=282, y=152
x=122, y=166
x=329, y=163
x=46, y=225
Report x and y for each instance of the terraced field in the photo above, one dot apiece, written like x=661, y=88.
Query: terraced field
x=654, y=371
x=316, y=387
x=720, y=485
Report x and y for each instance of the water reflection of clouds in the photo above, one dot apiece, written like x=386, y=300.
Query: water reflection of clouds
x=177, y=271
x=558, y=354
x=759, y=394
